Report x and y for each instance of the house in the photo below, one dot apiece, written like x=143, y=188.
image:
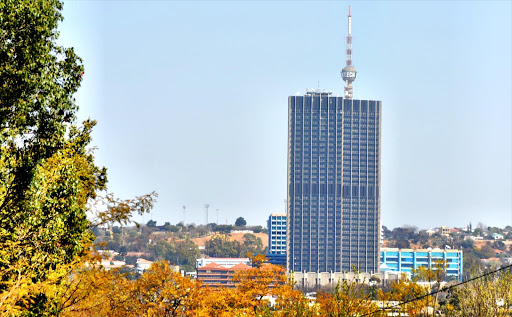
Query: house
x=498, y=252
x=492, y=262
x=142, y=265
x=497, y=236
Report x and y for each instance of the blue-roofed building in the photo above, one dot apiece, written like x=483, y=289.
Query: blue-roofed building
x=277, y=239
x=407, y=260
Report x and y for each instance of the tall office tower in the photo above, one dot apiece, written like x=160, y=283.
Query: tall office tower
x=333, y=183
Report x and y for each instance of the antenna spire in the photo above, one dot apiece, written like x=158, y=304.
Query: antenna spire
x=349, y=72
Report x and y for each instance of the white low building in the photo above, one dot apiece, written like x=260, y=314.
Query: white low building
x=142, y=265
x=225, y=262
x=313, y=279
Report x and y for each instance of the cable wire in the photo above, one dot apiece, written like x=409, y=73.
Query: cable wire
x=443, y=289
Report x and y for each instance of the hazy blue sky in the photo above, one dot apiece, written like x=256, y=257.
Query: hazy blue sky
x=191, y=100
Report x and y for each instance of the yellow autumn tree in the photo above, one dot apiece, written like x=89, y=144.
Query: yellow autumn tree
x=413, y=295
x=487, y=296
x=160, y=291
x=350, y=298
x=401, y=298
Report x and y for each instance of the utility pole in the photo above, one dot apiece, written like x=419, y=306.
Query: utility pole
x=206, y=206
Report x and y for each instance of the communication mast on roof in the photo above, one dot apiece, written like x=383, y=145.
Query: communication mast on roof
x=349, y=72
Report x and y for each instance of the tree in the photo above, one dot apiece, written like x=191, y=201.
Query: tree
x=404, y=290
x=499, y=245
x=350, y=298
x=251, y=244
x=47, y=172
x=387, y=232
x=162, y=292
x=471, y=263
x=39, y=166
x=240, y=222
x=130, y=260
x=402, y=244
x=485, y=297
x=183, y=253
x=404, y=233
x=485, y=252
x=222, y=246
x=225, y=229
x=433, y=276
x=151, y=224
x=257, y=229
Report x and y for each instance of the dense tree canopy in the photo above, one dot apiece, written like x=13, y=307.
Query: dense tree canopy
x=222, y=246
x=47, y=173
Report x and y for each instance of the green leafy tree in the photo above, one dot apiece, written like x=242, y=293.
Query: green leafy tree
x=151, y=224
x=251, y=244
x=46, y=177
x=226, y=229
x=47, y=173
x=183, y=253
x=222, y=246
x=240, y=222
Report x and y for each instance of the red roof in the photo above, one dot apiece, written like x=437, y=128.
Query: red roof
x=240, y=267
x=212, y=266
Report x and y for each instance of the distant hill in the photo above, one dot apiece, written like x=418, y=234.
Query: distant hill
x=200, y=242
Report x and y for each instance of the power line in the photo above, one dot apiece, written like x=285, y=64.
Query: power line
x=444, y=289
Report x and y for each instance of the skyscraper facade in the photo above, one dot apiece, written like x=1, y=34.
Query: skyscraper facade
x=333, y=183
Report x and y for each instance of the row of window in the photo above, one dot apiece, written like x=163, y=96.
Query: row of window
x=338, y=103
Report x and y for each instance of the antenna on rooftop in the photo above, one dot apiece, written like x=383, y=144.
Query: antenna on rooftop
x=349, y=72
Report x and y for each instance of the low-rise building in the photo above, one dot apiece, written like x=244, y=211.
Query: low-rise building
x=407, y=260
x=493, y=262
x=142, y=265
x=242, y=231
x=473, y=238
x=315, y=279
x=225, y=262
x=216, y=275
x=497, y=236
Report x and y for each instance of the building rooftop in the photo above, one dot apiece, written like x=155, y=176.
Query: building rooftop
x=212, y=266
x=240, y=267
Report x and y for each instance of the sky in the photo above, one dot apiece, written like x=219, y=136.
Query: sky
x=191, y=101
